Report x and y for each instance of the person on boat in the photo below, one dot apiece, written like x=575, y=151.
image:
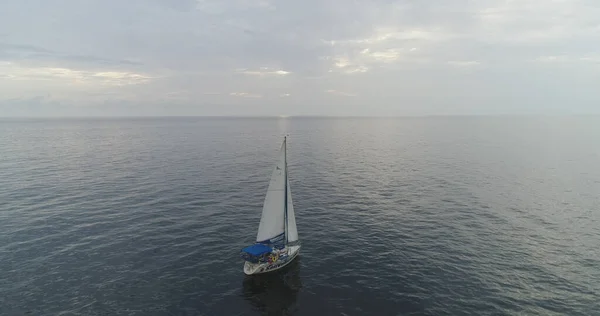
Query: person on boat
x=273, y=257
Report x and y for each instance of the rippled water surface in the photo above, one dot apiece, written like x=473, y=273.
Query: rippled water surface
x=408, y=216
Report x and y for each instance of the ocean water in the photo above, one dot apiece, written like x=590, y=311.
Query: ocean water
x=402, y=216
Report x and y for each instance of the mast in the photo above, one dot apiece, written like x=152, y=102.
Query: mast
x=285, y=192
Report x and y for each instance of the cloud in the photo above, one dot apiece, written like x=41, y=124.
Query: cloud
x=593, y=59
x=245, y=95
x=402, y=55
x=383, y=56
x=14, y=71
x=217, y=7
x=34, y=54
x=120, y=78
x=464, y=63
x=392, y=34
x=366, y=59
x=263, y=71
x=552, y=59
x=340, y=93
x=531, y=22
x=345, y=64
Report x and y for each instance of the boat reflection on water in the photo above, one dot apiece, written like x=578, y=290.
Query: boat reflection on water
x=274, y=293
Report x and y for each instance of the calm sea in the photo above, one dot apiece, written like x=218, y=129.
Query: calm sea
x=403, y=216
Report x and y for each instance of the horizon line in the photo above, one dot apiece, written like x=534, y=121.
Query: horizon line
x=299, y=116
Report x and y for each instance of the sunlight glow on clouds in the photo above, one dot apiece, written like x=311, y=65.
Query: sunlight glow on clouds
x=245, y=95
x=340, y=93
x=263, y=71
x=116, y=78
x=385, y=56
x=366, y=59
x=383, y=35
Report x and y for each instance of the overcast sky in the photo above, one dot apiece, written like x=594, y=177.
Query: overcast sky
x=309, y=57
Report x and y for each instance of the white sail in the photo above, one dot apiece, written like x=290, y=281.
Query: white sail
x=292, y=231
x=272, y=221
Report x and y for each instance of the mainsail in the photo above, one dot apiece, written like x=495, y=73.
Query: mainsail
x=271, y=229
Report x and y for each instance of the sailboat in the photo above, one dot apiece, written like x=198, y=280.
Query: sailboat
x=277, y=241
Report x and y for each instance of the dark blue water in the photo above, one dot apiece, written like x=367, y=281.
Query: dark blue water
x=408, y=216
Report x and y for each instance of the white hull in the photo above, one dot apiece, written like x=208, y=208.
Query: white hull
x=259, y=268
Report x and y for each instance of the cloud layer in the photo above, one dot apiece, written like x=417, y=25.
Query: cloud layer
x=313, y=57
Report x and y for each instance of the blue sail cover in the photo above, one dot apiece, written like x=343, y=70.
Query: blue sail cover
x=257, y=249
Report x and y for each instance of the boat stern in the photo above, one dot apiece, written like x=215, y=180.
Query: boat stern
x=253, y=268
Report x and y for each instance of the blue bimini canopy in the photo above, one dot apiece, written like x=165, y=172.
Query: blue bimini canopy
x=257, y=249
